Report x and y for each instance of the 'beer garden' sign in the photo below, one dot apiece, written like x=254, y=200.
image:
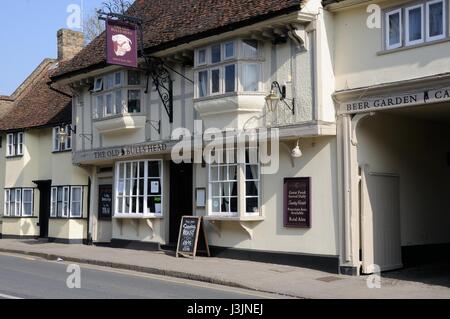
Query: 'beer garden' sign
x=297, y=202
x=121, y=44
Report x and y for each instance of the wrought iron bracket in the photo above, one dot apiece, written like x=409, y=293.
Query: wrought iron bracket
x=154, y=68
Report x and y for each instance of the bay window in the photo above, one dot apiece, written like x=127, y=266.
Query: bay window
x=19, y=202
x=234, y=188
x=65, y=144
x=138, y=191
x=66, y=202
x=14, y=144
x=229, y=67
x=118, y=93
x=424, y=21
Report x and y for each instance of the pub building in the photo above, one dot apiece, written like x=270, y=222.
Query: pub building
x=43, y=194
x=234, y=66
x=393, y=156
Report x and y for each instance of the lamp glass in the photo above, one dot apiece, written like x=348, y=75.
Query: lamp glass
x=62, y=134
x=272, y=100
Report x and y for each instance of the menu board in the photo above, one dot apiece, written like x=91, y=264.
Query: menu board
x=297, y=202
x=105, y=202
x=188, y=239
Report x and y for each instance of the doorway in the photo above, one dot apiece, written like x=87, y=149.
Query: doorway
x=44, y=188
x=181, y=193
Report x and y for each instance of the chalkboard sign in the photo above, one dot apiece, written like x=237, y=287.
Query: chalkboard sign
x=297, y=202
x=105, y=202
x=191, y=229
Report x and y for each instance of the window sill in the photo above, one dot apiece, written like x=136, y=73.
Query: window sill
x=19, y=217
x=120, y=123
x=255, y=218
x=67, y=218
x=59, y=152
x=13, y=156
x=136, y=216
x=415, y=46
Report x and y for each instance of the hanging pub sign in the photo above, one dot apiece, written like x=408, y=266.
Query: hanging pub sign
x=297, y=202
x=121, y=43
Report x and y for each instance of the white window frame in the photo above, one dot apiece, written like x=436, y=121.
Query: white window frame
x=225, y=57
x=7, y=205
x=241, y=190
x=422, y=24
x=14, y=144
x=16, y=208
x=211, y=93
x=54, y=202
x=400, y=43
x=67, y=144
x=72, y=201
x=147, y=192
x=117, y=108
x=66, y=202
x=241, y=76
x=237, y=60
x=30, y=202
x=444, y=21
x=10, y=148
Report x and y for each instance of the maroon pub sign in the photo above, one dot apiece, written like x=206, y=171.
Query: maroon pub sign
x=121, y=44
x=297, y=202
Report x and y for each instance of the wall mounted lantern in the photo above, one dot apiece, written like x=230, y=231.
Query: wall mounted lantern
x=277, y=95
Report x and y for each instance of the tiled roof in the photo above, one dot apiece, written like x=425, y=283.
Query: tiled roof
x=168, y=23
x=39, y=106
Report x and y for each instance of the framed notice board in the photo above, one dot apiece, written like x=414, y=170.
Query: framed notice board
x=105, y=202
x=191, y=230
x=297, y=202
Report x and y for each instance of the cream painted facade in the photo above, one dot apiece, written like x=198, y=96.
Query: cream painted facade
x=303, y=63
x=40, y=164
x=392, y=116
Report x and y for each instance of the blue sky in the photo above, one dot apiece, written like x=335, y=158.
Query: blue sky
x=28, y=35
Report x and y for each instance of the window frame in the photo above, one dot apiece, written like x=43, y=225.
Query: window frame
x=71, y=212
x=147, y=179
x=241, y=190
x=238, y=60
x=387, y=29
x=59, y=146
x=408, y=42
x=16, y=208
x=15, y=144
x=444, y=21
x=118, y=108
x=66, y=202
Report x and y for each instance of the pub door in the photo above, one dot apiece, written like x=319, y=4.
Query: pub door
x=181, y=194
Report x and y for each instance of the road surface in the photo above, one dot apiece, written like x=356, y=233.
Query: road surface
x=32, y=278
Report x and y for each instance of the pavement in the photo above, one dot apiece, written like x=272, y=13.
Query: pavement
x=283, y=280
x=24, y=277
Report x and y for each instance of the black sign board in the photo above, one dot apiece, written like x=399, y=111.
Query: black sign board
x=190, y=229
x=105, y=202
x=297, y=202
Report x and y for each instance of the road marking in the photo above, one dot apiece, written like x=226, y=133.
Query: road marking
x=9, y=297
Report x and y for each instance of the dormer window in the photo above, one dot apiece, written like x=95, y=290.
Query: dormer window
x=228, y=67
x=118, y=93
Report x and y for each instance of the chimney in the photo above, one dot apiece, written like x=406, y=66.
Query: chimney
x=69, y=44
